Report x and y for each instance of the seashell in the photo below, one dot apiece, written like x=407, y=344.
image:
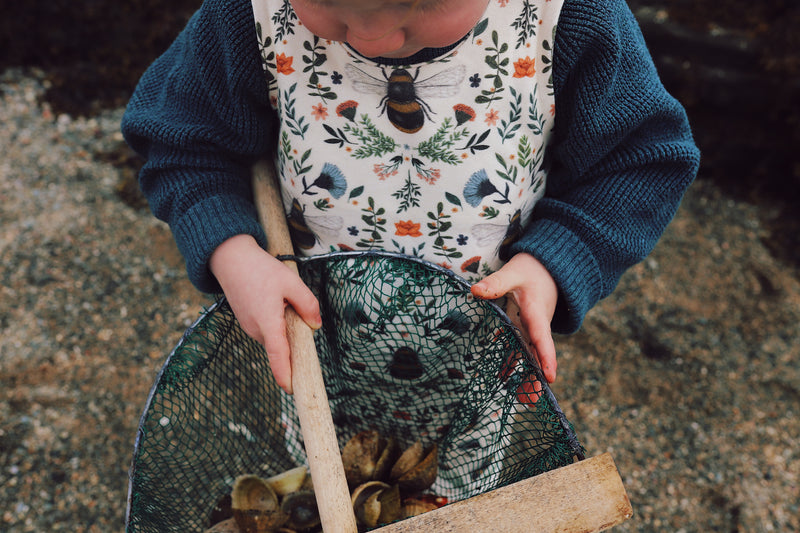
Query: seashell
x=413, y=507
x=301, y=509
x=376, y=502
x=255, y=505
x=410, y=458
x=365, y=502
x=226, y=526
x=389, y=453
x=368, y=456
x=390, y=505
x=416, y=469
x=288, y=481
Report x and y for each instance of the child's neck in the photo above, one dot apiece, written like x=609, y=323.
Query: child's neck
x=426, y=54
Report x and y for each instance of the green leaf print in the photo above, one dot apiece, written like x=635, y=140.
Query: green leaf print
x=524, y=152
x=267, y=56
x=480, y=27
x=496, y=62
x=313, y=61
x=284, y=19
x=525, y=23
x=453, y=199
x=489, y=212
x=375, y=225
x=355, y=193
x=285, y=152
x=508, y=128
x=416, y=251
x=508, y=173
x=535, y=118
x=373, y=141
x=475, y=143
x=299, y=127
x=299, y=169
x=439, y=227
x=323, y=204
x=408, y=194
x=337, y=136
x=547, y=60
x=439, y=146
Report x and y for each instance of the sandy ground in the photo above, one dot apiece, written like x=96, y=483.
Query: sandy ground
x=687, y=374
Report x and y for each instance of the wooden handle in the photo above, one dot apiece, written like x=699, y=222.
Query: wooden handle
x=584, y=497
x=310, y=396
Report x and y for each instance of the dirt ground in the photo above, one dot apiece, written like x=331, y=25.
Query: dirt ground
x=687, y=374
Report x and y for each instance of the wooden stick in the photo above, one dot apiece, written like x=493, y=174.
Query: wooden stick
x=310, y=396
x=583, y=497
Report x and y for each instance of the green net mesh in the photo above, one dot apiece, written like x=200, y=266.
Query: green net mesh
x=405, y=350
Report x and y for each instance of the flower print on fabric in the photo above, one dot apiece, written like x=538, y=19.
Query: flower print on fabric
x=479, y=187
x=331, y=179
x=525, y=67
x=284, y=64
x=441, y=159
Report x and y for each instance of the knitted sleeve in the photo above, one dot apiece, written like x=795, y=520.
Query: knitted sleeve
x=200, y=115
x=622, y=157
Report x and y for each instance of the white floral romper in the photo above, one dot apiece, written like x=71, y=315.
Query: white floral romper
x=443, y=160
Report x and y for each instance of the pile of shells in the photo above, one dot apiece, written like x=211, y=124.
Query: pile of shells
x=283, y=503
x=386, y=484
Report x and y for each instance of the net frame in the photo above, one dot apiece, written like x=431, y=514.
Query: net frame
x=178, y=438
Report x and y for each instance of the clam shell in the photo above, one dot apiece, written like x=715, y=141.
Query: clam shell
x=367, y=456
x=366, y=503
x=255, y=505
x=301, y=509
x=423, y=474
x=390, y=505
x=389, y=453
x=288, y=481
x=410, y=458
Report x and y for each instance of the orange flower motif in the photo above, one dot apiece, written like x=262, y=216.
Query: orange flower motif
x=319, y=111
x=284, y=64
x=407, y=228
x=471, y=264
x=524, y=68
x=491, y=117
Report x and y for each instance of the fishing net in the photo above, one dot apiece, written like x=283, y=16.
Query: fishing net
x=405, y=349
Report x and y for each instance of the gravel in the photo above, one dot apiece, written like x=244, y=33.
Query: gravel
x=687, y=374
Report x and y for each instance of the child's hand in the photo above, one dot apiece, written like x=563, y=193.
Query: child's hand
x=532, y=301
x=259, y=287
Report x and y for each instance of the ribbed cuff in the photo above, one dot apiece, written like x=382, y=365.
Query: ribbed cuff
x=572, y=266
x=207, y=225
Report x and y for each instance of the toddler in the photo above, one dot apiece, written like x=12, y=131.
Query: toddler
x=528, y=145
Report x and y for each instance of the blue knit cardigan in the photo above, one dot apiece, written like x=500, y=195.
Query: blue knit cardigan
x=622, y=153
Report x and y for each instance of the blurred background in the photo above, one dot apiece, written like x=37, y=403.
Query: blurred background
x=687, y=373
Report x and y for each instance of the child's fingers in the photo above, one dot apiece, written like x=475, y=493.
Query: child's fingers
x=541, y=338
x=493, y=286
x=306, y=305
x=278, y=352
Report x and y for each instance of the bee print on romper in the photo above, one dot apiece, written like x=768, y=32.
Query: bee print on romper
x=304, y=229
x=487, y=233
x=403, y=102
